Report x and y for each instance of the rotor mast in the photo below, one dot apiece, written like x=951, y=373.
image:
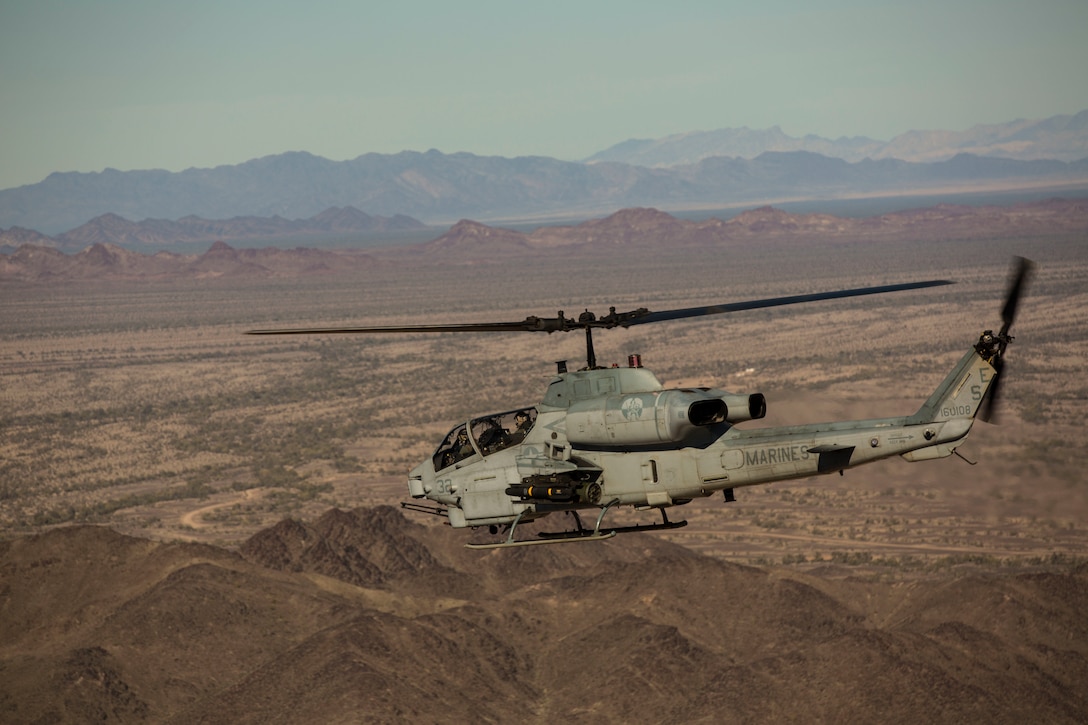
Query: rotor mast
x=591, y=357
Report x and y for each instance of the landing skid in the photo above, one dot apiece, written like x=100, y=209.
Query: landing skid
x=559, y=537
x=580, y=532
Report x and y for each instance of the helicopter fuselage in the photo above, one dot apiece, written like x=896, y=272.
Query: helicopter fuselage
x=603, y=437
x=612, y=436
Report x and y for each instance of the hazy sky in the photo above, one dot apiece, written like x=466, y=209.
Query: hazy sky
x=145, y=84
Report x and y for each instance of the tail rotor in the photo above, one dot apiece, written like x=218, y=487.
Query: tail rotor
x=992, y=346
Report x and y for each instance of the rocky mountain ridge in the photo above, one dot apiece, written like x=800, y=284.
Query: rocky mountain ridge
x=113, y=229
x=647, y=229
x=364, y=614
x=105, y=261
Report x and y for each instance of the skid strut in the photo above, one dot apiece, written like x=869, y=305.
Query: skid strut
x=580, y=532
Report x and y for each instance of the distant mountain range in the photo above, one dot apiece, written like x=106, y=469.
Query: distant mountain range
x=1063, y=138
x=629, y=231
x=440, y=188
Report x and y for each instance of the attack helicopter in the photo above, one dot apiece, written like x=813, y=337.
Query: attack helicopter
x=603, y=437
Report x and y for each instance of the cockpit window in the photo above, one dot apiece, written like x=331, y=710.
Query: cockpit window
x=491, y=433
x=454, y=449
x=494, y=433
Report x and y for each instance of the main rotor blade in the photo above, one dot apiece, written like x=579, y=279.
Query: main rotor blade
x=467, y=327
x=779, y=301
x=588, y=320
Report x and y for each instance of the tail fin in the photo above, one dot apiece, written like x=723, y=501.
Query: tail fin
x=959, y=395
x=972, y=386
x=950, y=412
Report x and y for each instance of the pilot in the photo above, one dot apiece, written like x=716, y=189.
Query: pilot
x=462, y=448
x=459, y=450
x=522, y=424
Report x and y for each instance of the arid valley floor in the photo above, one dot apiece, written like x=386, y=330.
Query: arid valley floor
x=142, y=406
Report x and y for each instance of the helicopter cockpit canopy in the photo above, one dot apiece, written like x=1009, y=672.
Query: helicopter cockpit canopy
x=485, y=435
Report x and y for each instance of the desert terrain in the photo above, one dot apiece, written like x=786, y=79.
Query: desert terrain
x=209, y=462
x=143, y=405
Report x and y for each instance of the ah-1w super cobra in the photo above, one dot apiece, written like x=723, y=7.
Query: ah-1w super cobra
x=603, y=437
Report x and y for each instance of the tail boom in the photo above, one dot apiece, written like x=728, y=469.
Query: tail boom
x=942, y=423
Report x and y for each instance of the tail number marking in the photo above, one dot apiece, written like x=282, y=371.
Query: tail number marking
x=952, y=411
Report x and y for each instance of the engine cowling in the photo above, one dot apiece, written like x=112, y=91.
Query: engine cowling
x=667, y=416
x=745, y=407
